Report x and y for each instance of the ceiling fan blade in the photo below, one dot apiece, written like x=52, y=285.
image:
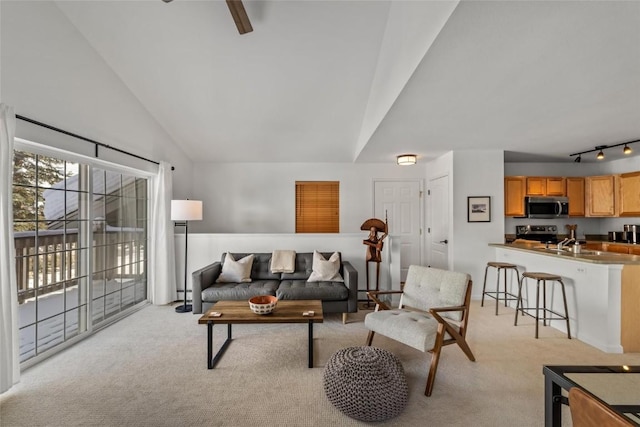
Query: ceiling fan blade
x=239, y=16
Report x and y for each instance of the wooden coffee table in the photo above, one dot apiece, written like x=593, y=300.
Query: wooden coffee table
x=239, y=312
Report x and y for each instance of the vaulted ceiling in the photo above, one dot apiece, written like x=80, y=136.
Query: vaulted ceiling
x=363, y=81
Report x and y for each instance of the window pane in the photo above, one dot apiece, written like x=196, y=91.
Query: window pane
x=24, y=168
x=73, y=176
x=113, y=182
x=98, y=181
x=50, y=172
x=75, y=293
x=141, y=188
x=129, y=216
x=24, y=203
x=97, y=314
x=72, y=323
x=27, y=342
x=50, y=332
x=112, y=211
x=128, y=186
x=98, y=285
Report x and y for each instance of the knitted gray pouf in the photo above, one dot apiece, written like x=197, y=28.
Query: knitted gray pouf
x=366, y=383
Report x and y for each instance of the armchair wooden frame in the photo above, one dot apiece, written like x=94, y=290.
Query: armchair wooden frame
x=457, y=333
x=589, y=411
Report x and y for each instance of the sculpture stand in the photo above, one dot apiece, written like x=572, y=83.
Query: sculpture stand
x=374, y=248
x=377, y=278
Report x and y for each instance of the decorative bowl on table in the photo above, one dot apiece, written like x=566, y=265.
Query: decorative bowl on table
x=263, y=304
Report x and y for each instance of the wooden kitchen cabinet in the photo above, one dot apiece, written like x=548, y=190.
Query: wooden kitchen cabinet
x=592, y=246
x=556, y=187
x=545, y=186
x=575, y=193
x=620, y=249
x=514, y=192
x=630, y=194
x=536, y=186
x=634, y=250
x=601, y=195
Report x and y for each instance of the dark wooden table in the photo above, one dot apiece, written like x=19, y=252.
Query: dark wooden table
x=557, y=378
x=239, y=312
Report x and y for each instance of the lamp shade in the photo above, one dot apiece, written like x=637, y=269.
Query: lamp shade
x=186, y=210
x=406, y=159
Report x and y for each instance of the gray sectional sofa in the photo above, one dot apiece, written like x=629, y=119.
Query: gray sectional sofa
x=337, y=297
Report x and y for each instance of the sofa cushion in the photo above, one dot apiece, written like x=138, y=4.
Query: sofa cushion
x=304, y=265
x=261, y=269
x=301, y=289
x=325, y=269
x=236, y=271
x=239, y=291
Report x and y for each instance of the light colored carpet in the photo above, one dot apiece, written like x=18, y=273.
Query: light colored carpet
x=149, y=369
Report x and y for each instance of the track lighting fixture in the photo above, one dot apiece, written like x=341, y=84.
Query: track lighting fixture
x=600, y=150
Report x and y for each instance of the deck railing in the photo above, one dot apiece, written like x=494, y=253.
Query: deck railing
x=48, y=260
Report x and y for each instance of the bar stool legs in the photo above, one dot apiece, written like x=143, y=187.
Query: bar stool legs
x=506, y=296
x=542, y=277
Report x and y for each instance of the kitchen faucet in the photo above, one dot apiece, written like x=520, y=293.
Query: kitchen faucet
x=565, y=242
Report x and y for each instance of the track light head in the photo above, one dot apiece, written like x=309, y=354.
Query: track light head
x=600, y=155
x=578, y=159
x=627, y=149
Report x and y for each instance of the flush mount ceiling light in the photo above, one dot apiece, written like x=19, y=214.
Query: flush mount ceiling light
x=407, y=159
x=600, y=149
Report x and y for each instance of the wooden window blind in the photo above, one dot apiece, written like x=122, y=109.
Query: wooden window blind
x=317, y=206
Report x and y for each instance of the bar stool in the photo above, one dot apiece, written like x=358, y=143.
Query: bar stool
x=496, y=294
x=542, y=277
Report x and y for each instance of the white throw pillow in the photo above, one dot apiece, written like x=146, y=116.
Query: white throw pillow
x=236, y=271
x=325, y=271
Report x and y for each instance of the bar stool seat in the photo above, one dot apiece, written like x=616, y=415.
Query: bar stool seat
x=542, y=277
x=506, y=296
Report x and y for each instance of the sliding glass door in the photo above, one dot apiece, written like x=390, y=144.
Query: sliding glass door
x=81, y=239
x=120, y=242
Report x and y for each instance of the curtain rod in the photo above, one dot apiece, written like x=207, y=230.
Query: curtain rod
x=96, y=143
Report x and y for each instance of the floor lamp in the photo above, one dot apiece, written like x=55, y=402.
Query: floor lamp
x=185, y=211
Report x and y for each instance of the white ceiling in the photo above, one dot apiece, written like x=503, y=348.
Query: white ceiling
x=363, y=81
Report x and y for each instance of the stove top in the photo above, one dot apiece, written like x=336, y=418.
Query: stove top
x=540, y=233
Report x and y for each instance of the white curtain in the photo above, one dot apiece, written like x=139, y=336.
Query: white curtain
x=162, y=276
x=9, y=343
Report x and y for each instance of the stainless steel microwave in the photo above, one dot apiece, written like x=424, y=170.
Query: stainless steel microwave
x=546, y=207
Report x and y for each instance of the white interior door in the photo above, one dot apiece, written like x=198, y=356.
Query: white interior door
x=438, y=238
x=400, y=200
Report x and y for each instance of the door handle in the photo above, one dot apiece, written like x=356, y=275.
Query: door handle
x=445, y=241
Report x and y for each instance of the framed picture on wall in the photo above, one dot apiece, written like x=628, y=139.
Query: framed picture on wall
x=479, y=209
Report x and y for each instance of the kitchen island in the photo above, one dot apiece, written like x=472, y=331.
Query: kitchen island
x=603, y=292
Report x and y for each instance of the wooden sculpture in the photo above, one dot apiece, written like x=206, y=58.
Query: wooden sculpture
x=374, y=245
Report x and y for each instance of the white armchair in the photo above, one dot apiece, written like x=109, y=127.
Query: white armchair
x=433, y=312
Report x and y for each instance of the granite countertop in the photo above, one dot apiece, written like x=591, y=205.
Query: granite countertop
x=595, y=257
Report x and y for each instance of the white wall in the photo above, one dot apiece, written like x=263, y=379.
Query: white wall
x=260, y=197
x=50, y=73
x=476, y=173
